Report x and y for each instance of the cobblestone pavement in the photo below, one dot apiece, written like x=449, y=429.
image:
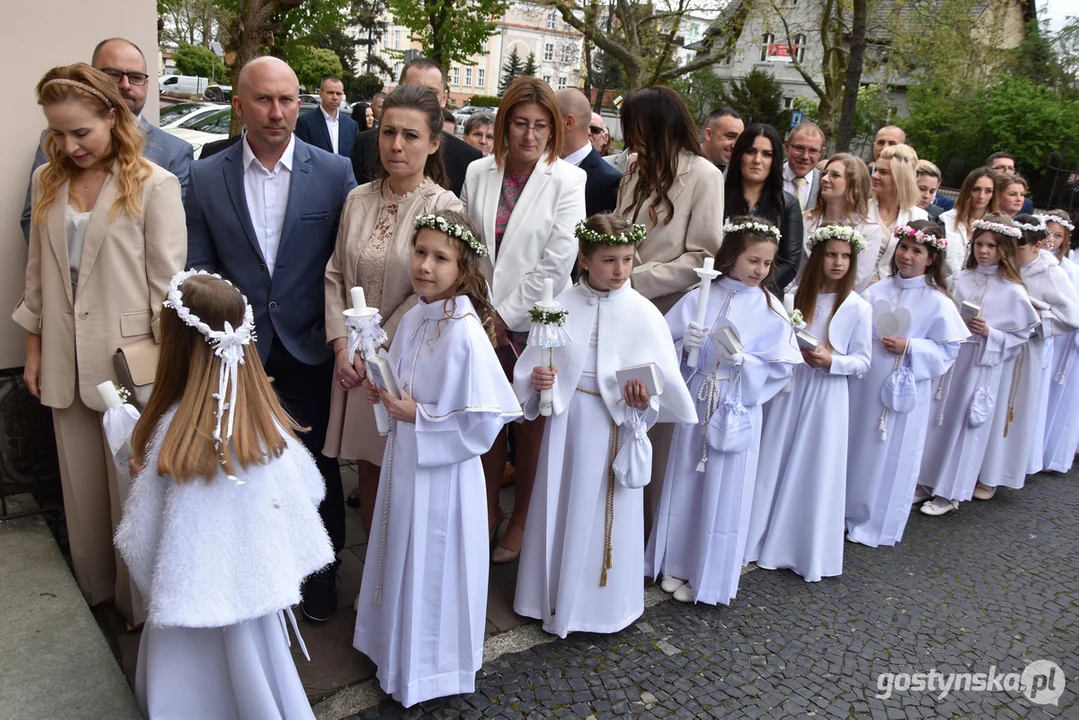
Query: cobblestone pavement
x=995, y=584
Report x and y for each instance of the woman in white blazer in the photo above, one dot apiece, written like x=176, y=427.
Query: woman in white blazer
x=976, y=198
x=895, y=199
x=525, y=202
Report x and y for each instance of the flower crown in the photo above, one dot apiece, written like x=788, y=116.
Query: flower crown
x=1012, y=231
x=228, y=344
x=844, y=233
x=752, y=226
x=460, y=232
x=1027, y=227
x=1062, y=222
x=906, y=231
x=632, y=236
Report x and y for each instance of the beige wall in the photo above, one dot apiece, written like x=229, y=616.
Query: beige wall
x=34, y=37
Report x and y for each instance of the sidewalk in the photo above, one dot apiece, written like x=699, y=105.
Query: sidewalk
x=55, y=663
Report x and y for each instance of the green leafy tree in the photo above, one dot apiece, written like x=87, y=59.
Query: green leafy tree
x=312, y=64
x=510, y=70
x=530, y=65
x=368, y=17
x=200, y=61
x=188, y=22
x=449, y=31
x=703, y=92
x=363, y=87
x=758, y=97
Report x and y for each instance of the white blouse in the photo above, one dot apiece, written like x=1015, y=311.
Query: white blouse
x=75, y=224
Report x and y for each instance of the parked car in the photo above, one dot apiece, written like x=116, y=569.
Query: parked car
x=310, y=102
x=463, y=114
x=205, y=128
x=173, y=115
x=182, y=84
x=218, y=93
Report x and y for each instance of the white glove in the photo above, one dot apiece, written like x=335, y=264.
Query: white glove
x=694, y=336
x=727, y=358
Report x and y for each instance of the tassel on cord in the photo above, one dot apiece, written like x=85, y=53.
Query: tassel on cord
x=709, y=395
x=377, y=599
x=883, y=427
x=1017, y=378
x=608, y=514
x=944, y=389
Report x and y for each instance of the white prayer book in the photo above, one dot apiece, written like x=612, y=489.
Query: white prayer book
x=381, y=374
x=727, y=336
x=968, y=310
x=647, y=374
x=806, y=341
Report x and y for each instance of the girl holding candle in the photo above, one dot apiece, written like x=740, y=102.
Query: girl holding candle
x=424, y=592
x=699, y=536
x=1061, y=422
x=889, y=405
x=1001, y=319
x=583, y=549
x=797, y=518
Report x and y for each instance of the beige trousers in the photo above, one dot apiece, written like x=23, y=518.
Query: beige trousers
x=94, y=495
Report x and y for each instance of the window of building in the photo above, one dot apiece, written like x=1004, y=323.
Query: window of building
x=548, y=51
x=455, y=76
x=468, y=77
x=567, y=54
x=766, y=41
x=552, y=18
x=480, y=72
x=799, y=47
x=396, y=39
x=547, y=78
x=788, y=103
x=694, y=31
x=561, y=82
x=397, y=70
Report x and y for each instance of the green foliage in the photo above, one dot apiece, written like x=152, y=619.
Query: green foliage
x=312, y=64
x=200, y=61
x=872, y=113
x=363, y=87
x=368, y=17
x=703, y=92
x=758, y=98
x=530, y=66
x=485, y=101
x=510, y=70
x=449, y=31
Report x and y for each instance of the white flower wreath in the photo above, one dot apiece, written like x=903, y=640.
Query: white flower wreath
x=1062, y=222
x=633, y=236
x=752, y=226
x=453, y=230
x=844, y=233
x=1012, y=231
x=1028, y=227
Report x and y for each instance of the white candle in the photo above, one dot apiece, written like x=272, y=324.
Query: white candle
x=548, y=291
x=358, y=302
x=109, y=396
x=707, y=273
x=709, y=264
x=788, y=303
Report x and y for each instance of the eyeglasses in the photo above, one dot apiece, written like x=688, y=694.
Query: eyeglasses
x=805, y=150
x=521, y=127
x=117, y=76
x=596, y=129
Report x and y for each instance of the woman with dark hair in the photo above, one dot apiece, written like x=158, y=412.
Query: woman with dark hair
x=755, y=188
x=673, y=190
x=364, y=115
x=373, y=252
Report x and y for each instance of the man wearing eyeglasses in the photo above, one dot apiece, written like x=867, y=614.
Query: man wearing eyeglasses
x=597, y=133
x=601, y=184
x=801, y=178
x=124, y=63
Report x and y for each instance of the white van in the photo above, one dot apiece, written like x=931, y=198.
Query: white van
x=182, y=84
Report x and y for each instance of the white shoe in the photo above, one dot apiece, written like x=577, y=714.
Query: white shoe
x=669, y=583
x=685, y=593
x=921, y=494
x=939, y=506
x=984, y=492
x=850, y=538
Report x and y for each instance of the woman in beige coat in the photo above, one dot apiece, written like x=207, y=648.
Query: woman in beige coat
x=106, y=236
x=373, y=251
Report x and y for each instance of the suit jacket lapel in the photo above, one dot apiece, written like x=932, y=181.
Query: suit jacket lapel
x=57, y=226
x=679, y=185
x=493, y=189
x=100, y=219
x=324, y=132
x=297, y=190
x=233, y=171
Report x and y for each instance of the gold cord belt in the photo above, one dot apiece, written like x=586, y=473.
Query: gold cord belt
x=1017, y=377
x=608, y=514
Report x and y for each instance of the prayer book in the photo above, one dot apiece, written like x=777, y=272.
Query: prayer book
x=381, y=374
x=647, y=374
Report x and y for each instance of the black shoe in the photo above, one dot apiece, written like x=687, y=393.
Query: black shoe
x=353, y=499
x=320, y=595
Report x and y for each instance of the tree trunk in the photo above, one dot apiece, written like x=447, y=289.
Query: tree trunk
x=854, y=77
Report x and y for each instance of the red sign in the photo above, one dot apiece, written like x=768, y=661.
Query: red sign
x=781, y=52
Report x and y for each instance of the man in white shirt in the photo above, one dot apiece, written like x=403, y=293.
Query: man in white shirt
x=327, y=127
x=801, y=178
x=601, y=187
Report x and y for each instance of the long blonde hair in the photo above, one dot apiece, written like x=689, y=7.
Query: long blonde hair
x=859, y=189
x=187, y=377
x=903, y=163
x=93, y=88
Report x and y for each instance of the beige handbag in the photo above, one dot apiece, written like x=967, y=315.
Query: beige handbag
x=135, y=366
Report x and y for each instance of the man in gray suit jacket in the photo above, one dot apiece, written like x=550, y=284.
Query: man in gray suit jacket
x=263, y=214
x=124, y=63
x=801, y=178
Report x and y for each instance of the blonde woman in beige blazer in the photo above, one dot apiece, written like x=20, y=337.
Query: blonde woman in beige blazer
x=373, y=251
x=525, y=201
x=685, y=217
x=106, y=236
